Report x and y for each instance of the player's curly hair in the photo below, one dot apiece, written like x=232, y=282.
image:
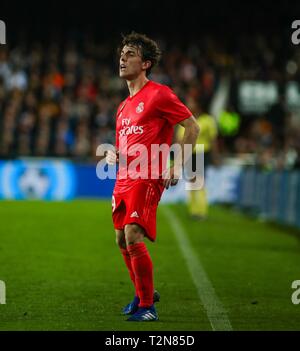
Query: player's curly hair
x=148, y=48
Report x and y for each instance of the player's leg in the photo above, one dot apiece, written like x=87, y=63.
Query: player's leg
x=141, y=263
x=140, y=221
x=134, y=234
x=198, y=206
x=197, y=199
x=118, y=214
x=120, y=238
x=121, y=242
x=132, y=307
x=143, y=270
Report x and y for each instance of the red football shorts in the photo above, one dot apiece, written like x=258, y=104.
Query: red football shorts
x=137, y=205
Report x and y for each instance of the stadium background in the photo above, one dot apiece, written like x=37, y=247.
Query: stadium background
x=59, y=91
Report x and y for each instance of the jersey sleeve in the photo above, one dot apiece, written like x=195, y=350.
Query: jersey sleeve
x=171, y=108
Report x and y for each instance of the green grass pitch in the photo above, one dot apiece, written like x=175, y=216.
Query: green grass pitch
x=63, y=270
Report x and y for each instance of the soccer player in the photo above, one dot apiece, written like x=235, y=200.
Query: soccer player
x=146, y=117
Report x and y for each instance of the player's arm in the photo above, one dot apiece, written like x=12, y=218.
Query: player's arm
x=191, y=132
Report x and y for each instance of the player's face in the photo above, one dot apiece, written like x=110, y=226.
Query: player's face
x=131, y=63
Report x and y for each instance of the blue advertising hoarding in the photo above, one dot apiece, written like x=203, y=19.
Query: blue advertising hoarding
x=55, y=180
x=37, y=179
x=272, y=195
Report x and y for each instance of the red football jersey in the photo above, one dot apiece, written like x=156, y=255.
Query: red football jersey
x=147, y=118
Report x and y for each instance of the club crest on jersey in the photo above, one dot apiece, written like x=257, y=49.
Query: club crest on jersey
x=140, y=107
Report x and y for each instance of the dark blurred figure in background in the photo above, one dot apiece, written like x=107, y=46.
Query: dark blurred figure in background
x=277, y=116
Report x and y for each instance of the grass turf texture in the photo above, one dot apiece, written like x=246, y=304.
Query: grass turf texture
x=63, y=270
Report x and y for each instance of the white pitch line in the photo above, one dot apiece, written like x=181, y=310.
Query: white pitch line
x=214, y=309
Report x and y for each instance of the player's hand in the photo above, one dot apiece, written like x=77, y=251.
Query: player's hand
x=111, y=157
x=172, y=177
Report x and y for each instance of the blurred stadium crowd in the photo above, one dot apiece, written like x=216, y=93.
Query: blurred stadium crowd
x=58, y=98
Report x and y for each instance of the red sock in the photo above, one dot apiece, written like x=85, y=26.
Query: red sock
x=127, y=260
x=143, y=271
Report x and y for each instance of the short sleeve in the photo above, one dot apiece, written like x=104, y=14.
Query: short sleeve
x=170, y=107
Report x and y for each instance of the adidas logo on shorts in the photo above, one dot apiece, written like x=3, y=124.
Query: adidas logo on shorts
x=134, y=214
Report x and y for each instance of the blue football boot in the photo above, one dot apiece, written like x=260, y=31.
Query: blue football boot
x=133, y=306
x=144, y=314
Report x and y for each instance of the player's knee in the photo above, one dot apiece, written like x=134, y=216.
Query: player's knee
x=121, y=243
x=133, y=234
x=120, y=240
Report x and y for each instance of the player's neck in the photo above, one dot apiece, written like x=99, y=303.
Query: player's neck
x=135, y=85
